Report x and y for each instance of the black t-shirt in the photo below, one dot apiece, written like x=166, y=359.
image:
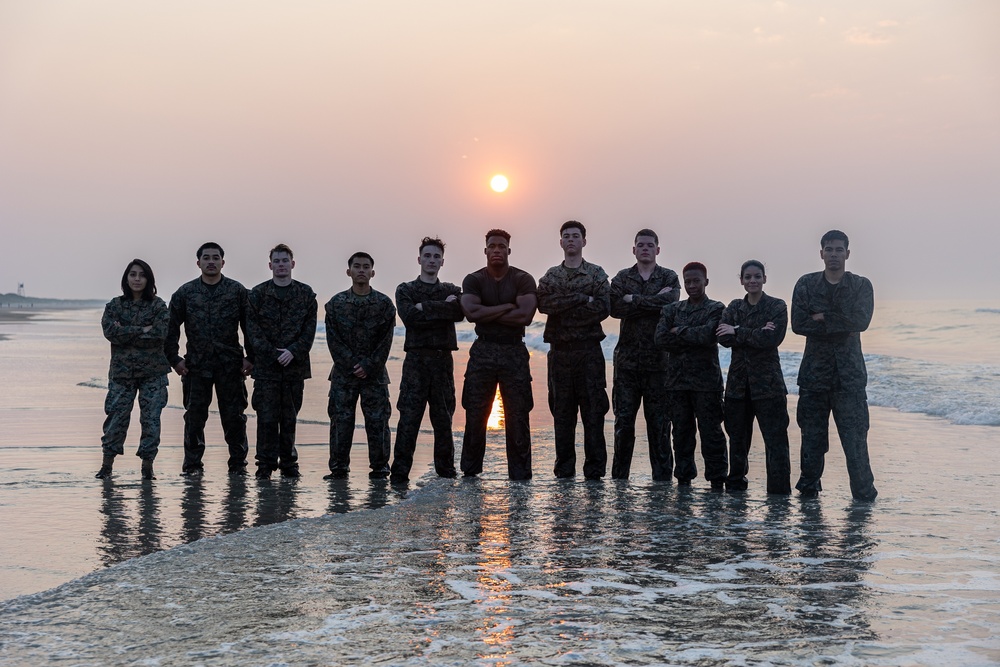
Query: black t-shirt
x=492, y=292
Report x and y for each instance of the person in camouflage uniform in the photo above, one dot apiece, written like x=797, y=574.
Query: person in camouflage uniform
x=212, y=309
x=136, y=325
x=574, y=296
x=282, y=326
x=694, y=378
x=831, y=308
x=359, y=328
x=753, y=327
x=638, y=295
x=500, y=299
x=429, y=309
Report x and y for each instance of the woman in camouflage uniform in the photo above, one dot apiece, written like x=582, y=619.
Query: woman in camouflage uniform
x=136, y=325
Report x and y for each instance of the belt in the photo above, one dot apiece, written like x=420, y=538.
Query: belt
x=574, y=345
x=500, y=339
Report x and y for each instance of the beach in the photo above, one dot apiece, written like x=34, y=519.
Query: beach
x=489, y=571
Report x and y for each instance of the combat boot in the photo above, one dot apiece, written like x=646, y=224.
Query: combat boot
x=106, y=464
x=147, y=469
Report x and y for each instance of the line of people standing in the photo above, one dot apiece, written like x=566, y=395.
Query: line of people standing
x=666, y=360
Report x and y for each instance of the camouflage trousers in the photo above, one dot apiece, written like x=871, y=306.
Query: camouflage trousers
x=493, y=365
x=342, y=409
x=772, y=418
x=578, y=381
x=428, y=379
x=850, y=413
x=277, y=404
x=705, y=407
x=648, y=387
x=231, y=389
x=118, y=408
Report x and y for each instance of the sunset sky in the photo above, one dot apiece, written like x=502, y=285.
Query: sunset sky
x=736, y=129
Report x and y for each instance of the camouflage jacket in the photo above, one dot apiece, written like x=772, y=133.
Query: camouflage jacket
x=281, y=318
x=212, y=317
x=136, y=354
x=635, y=349
x=564, y=295
x=832, y=358
x=694, y=354
x=755, y=367
x=359, y=331
x=432, y=327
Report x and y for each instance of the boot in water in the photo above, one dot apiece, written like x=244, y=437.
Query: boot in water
x=147, y=469
x=106, y=464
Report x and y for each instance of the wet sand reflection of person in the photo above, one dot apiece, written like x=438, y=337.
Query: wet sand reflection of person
x=276, y=502
x=121, y=539
x=235, y=504
x=193, y=526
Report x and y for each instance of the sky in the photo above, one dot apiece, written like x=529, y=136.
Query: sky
x=735, y=129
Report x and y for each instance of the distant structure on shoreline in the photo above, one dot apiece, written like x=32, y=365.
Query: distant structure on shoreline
x=19, y=300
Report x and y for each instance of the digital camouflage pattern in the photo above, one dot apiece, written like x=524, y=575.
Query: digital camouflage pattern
x=755, y=368
x=359, y=331
x=640, y=368
x=285, y=318
x=832, y=359
x=693, y=364
x=280, y=318
x=755, y=389
x=212, y=316
x=635, y=349
x=833, y=377
x=492, y=365
x=575, y=302
x=428, y=372
x=231, y=388
x=152, y=393
x=685, y=408
x=136, y=355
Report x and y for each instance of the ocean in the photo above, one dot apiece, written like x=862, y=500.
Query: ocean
x=493, y=572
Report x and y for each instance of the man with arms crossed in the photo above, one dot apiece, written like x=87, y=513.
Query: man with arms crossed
x=574, y=295
x=429, y=309
x=500, y=299
x=831, y=308
x=282, y=326
x=359, y=326
x=694, y=378
x=638, y=295
x=212, y=309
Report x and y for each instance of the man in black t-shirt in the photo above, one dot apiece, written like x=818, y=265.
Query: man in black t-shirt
x=500, y=299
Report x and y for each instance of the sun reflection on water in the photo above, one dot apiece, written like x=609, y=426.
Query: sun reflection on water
x=496, y=420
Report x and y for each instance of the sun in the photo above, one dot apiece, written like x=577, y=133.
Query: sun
x=499, y=183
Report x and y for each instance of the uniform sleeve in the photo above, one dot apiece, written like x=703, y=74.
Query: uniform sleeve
x=553, y=298
x=177, y=316
x=118, y=335
x=597, y=310
x=663, y=338
x=339, y=350
x=439, y=309
x=729, y=317
x=802, y=322
x=853, y=314
x=652, y=302
x=702, y=335
x=257, y=343
x=159, y=322
x=382, y=342
x=307, y=334
x=244, y=314
x=762, y=339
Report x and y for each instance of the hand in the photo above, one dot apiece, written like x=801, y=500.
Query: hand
x=818, y=317
x=451, y=298
x=768, y=327
x=247, y=367
x=419, y=307
x=147, y=329
x=590, y=299
x=666, y=290
x=181, y=368
x=725, y=330
x=360, y=372
x=627, y=298
x=673, y=330
x=285, y=357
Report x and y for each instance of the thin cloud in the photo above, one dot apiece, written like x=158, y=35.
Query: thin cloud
x=865, y=37
x=834, y=93
x=765, y=38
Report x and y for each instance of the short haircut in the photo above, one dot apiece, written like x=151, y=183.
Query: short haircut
x=429, y=240
x=570, y=224
x=149, y=292
x=281, y=247
x=834, y=235
x=752, y=262
x=646, y=232
x=497, y=232
x=695, y=266
x=210, y=244
x=350, y=260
